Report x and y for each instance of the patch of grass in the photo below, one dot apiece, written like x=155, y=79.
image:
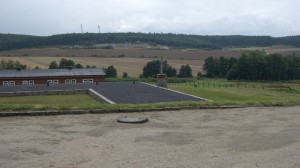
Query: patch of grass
x=241, y=93
x=57, y=102
x=77, y=102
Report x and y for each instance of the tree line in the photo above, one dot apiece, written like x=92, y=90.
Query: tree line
x=12, y=41
x=64, y=63
x=11, y=64
x=152, y=68
x=256, y=65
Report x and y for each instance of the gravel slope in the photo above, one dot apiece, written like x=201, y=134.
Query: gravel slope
x=248, y=137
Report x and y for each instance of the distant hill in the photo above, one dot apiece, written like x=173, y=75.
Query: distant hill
x=13, y=41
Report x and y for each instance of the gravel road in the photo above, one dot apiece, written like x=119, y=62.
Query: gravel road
x=249, y=137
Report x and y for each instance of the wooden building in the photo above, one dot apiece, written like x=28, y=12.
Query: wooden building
x=51, y=76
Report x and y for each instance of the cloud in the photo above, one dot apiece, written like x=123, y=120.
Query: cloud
x=247, y=17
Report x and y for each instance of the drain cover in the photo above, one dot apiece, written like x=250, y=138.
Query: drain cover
x=133, y=120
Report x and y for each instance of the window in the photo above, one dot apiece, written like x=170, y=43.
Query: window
x=87, y=81
x=31, y=82
x=12, y=83
x=49, y=81
x=54, y=82
x=25, y=82
x=9, y=83
x=73, y=80
x=67, y=81
x=5, y=83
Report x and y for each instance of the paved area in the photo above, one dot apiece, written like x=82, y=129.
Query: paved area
x=228, y=138
x=118, y=92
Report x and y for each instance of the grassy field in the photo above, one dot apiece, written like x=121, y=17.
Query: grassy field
x=224, y=92
x=221, y=92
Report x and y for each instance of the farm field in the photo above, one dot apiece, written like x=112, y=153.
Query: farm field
x=279, y=49
x=140, y=51
x=133, y=66
x=130, y=59
x=170, y=54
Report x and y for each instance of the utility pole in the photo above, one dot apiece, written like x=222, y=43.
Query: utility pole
x=81, y=28
x=161, y=65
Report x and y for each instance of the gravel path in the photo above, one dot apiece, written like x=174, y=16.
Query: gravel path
x=249, y=137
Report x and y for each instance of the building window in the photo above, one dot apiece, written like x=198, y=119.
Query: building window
x=31, y=82
x=87, y=81
x=25, y=82
x=73, y=80
x=5, y=83
x=55, y=82
x=9, y=83
x=12, y=83
x=67, y=81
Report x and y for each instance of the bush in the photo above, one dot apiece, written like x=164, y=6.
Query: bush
x=125, y=75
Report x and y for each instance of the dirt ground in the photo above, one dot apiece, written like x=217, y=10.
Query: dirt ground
x=249, y=137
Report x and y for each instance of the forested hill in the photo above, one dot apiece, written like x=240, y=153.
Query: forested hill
x=12, y=41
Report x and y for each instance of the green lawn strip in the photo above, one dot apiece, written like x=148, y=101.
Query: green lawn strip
x=44, y=102
x=77, y=102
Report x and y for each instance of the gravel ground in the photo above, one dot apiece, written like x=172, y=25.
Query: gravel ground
x=250, y=137
x=118, y=92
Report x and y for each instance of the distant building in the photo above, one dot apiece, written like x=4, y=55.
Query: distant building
x=51, y=76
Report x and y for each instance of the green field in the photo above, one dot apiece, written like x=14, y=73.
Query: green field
x=224, y=92
x=221, y=92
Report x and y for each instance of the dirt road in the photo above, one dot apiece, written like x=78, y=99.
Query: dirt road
x=250, y=137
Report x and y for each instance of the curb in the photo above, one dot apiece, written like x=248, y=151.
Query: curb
x=104, y=111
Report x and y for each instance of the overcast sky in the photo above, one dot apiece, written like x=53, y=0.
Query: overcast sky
x=202, y=17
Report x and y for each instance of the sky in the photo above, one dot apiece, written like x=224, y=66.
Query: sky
x=275, y=18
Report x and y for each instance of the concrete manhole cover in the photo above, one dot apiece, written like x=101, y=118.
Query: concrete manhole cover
x=133, y=120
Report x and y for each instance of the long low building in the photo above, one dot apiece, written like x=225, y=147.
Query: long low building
x=51, y=76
